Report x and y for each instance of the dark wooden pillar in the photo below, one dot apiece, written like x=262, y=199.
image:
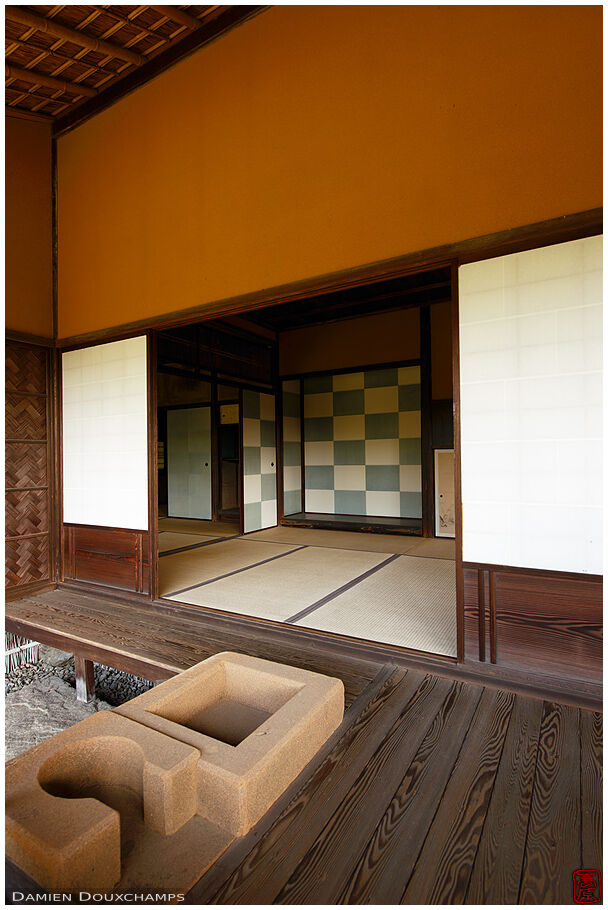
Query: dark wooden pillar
x=426, y=425
x=85, y=679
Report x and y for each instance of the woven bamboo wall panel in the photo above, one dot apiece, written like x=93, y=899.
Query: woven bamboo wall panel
x=25, y=368
x=27, y=512
x=25, y=417
x=27, y=560
x=26, y=464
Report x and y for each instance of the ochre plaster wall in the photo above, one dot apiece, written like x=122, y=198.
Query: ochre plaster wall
x=28, y=252
x=318, y=138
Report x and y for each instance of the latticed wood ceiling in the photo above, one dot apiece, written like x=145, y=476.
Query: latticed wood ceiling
x=58, y=57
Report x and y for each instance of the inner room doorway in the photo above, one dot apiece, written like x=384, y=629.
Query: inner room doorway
x=332, y=464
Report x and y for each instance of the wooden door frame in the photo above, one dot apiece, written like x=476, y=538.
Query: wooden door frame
x=532, y=236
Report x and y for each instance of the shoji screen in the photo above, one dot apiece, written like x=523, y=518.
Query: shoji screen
x=531, y=387
x=259, y=461
x=105, y=435
x=292, y=448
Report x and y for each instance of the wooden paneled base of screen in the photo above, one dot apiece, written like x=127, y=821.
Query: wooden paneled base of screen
x=545, y=624
x=113, y=557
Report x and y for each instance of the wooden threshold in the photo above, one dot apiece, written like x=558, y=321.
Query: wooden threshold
x=156, y=640
x=366, y=523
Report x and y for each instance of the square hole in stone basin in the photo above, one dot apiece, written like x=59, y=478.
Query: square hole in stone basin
x=227, y=704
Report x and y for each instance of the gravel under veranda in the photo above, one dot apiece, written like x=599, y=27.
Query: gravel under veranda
x=111, y=686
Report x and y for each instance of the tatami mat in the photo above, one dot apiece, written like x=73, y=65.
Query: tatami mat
x=173, y=540
x=434, y=548
x=193, y=567
x=281, y=588
x=410, y=602
x=193, y=526
x=356, y=540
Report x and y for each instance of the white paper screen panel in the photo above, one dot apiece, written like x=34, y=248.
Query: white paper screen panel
x=105, y=435
x=531, y=408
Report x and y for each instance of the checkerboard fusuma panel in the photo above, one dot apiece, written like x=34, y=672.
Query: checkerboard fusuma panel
x=259, y=461
x=362, y=445
x=292, y=447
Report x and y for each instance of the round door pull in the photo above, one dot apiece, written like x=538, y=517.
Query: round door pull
x=206, y=464
x=272, y=464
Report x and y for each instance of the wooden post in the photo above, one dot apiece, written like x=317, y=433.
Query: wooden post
x=85, y=679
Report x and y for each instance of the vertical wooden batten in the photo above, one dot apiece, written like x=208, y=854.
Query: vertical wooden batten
x=152, y=555
x=426, y=422
x=460, y=641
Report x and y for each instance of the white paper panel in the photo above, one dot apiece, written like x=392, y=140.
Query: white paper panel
x=531, y=408
x=105, y=435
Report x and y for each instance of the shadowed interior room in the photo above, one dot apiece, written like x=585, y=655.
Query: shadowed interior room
x=304, y=364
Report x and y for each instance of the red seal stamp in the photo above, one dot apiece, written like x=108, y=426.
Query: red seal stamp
x=587, y=886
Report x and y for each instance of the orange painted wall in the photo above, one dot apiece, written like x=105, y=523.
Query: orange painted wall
x=28, y=252
x=318, y=138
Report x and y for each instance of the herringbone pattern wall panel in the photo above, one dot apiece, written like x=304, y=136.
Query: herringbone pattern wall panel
x=27, y=523
x=27, y=512
x=25, y=417
x=26, y=368
x=27, y=560
x=26, y=464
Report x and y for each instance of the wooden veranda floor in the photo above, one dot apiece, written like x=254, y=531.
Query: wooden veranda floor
x=433, y=790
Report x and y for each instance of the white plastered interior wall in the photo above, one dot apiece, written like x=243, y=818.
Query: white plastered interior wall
x=531, y=408
x=105, y=435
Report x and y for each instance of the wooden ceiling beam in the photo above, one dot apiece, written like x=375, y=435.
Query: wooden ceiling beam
x=177, y=15
x=50, y=27
x=34, y=78
x=66, y=59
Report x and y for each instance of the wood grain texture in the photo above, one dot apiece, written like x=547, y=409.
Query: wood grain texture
x=548, y=624
x=170, y=639
x=322, y=872
x=386, y=864
x=443, y=869
x=260, y=878
x=428, y=791
x=113, y=557
x=553, y=848
x=496, y=873
x=591, y=789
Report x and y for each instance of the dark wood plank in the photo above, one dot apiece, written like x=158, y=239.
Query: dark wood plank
x=591, y=790
x=323, y=872
x=166, y=641
x=497, y=870
x=267, y=868
x=386, y=864
x=236, y=853
x=553, y=848
x=549, y=622
x=442, y=872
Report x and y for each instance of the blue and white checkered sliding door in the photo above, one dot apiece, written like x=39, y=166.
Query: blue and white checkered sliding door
x=292, y=448
x=362, y=443
x=259, y=461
